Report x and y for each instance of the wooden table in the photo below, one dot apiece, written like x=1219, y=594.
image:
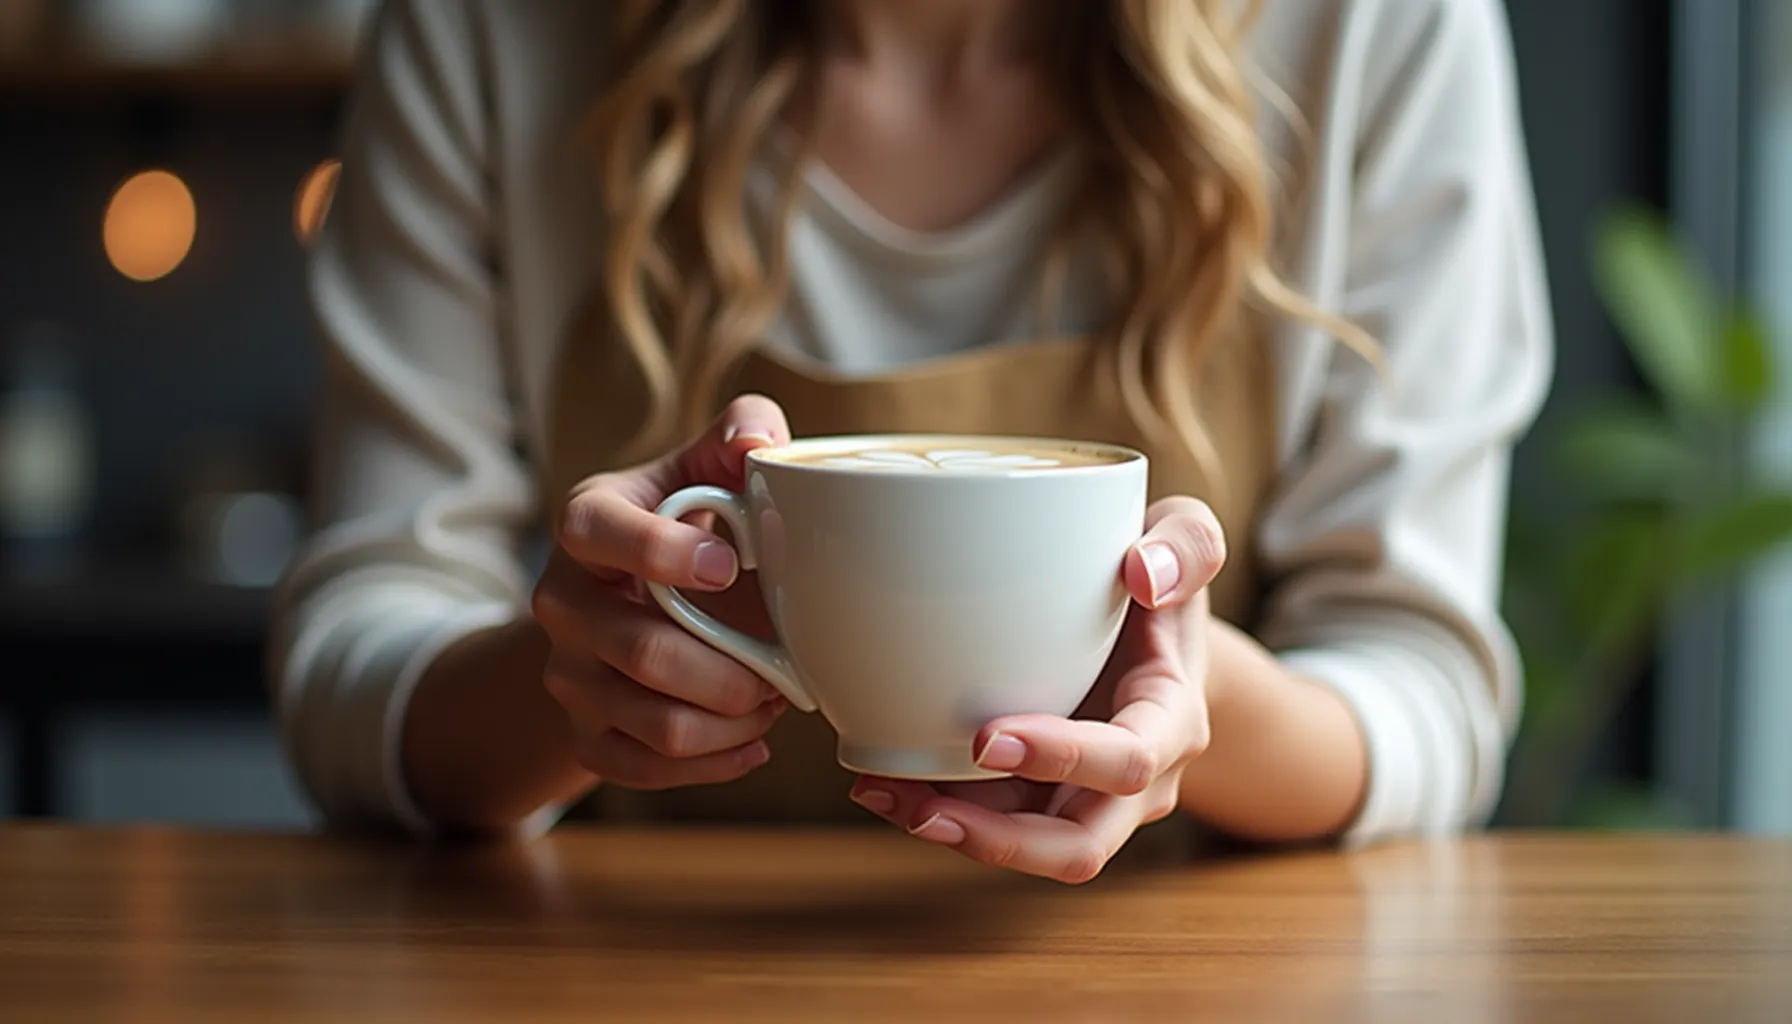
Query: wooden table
x=157, y=925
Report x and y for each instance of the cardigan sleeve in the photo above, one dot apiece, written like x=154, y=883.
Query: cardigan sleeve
x=420, y=494
x=1385, y=539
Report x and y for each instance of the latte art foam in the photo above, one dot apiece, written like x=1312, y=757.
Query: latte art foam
x=945, y=455
x=945, y=460
x=959, y=456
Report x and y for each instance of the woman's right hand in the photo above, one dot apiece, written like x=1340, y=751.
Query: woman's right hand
x=651, y=706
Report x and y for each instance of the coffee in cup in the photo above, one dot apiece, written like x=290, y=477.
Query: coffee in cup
x=968, y=455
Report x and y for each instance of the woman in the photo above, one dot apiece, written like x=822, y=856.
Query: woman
x=1288, y=251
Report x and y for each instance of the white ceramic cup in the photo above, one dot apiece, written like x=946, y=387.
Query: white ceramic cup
x=913, y=604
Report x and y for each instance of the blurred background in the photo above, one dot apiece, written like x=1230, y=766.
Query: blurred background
x=164, y=163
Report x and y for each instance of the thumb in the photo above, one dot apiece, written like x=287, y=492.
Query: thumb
x=1181, y=552
x=717, y=457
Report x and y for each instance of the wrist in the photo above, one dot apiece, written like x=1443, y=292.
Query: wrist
x=1286, y=761
x=484, y=746
x=1220, y=686
x=1226, y=647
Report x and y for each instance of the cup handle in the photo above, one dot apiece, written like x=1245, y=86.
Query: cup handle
x=770, y=661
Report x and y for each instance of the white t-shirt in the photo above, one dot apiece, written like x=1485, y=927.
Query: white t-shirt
x=461, y=242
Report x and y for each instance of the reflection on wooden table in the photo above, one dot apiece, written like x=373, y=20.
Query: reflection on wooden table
x=152, y=925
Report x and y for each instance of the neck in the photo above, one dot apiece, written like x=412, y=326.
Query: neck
x=937, y=35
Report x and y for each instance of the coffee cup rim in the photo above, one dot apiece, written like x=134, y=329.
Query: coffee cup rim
x=769, y=457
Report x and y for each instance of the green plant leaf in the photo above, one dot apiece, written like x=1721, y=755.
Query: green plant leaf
x=1662, y=304
x=1532, y=607
x=1747, y=362
x=1625, y=452
x=1630, y=807
x=1619, y=577
x=1535, y=534
x=1732, y=536
x=1551, y=690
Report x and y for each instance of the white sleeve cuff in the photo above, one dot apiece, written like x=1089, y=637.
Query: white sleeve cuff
x=396, y=794
x=1421, y=765
x=389, y=789
x=347, y=688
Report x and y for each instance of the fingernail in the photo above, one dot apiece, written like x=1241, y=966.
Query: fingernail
x=734, y=432
x=1163, y=570
x=1002, y=753
x=713, y=564
x=775, y=705
x=940, y=830
x=756, y=755
x=875, y=800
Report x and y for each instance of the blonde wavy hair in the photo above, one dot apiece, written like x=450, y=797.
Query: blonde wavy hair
x=1175, y=193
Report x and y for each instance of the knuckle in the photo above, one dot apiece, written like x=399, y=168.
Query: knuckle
x=652, y=656
x=655, y=549
x=739, y=698
x=1199, y=738
x=577, y=516
x=675, y=732
x=1138, y=770
x=547, y=605
x=1161, y=806
x=1059, y=762
x=1163, y=688
x=1206, y=538
x=1083, y=865
x=1003, y=852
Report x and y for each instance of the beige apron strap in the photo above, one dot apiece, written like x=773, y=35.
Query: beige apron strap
x=598, y=398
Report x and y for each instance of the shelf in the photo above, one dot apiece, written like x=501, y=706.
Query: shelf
x=73, y=71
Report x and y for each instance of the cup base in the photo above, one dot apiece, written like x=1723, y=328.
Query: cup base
x=922, y=764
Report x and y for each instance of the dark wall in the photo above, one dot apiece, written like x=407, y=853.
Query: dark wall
x=214, y=355
x=1594, y=81
x=115, y=678
x=1594, y=76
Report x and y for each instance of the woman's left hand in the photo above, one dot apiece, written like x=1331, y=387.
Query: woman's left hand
x=1083, y=785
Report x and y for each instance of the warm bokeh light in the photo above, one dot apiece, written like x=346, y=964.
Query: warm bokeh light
x=149, y=225
x=312, y=204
